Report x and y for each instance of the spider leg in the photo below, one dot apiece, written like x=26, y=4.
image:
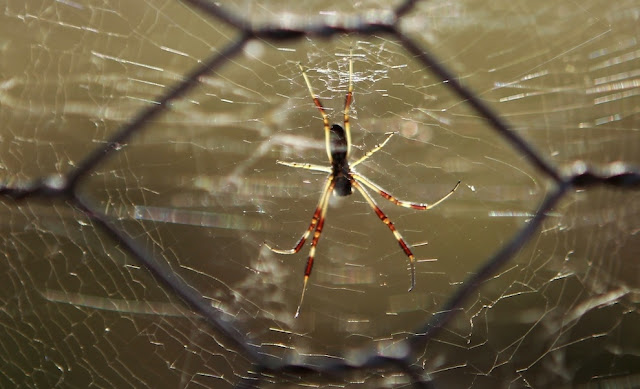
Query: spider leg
x=402, y=203
x=325, y=118
x=347, y=104
x=405, y=247
x=373, y=150
x=312, y=225
x=314, y=242
x=304, y=165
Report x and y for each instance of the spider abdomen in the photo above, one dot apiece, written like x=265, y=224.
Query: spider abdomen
x=339, y=164
x=341, y=176
x=342, y=187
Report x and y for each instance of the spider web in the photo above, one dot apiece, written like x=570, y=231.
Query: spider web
x=199, y=191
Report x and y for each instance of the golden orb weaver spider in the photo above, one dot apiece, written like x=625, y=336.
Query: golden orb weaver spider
x=342, y=179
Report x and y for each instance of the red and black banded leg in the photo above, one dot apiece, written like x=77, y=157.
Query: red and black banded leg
x=347, y=105
x=312, y=225
x=325, y=118
x=402, y=203
x=405, y=247
x=314, y=242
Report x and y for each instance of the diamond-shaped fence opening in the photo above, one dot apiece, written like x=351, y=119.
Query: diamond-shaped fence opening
x=139, y=182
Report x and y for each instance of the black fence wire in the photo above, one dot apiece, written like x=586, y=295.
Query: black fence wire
x=563, y=180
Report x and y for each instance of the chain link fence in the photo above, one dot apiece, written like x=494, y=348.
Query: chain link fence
x=257, y=367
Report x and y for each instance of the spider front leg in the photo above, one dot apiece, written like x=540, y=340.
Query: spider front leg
x=347, y=105
x=318, y=103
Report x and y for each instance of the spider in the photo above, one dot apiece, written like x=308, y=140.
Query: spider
x=341, y=181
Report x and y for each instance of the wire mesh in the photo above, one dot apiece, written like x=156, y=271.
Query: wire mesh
x=256, y=363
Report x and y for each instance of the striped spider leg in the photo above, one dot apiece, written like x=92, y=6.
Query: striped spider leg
x=341, y=180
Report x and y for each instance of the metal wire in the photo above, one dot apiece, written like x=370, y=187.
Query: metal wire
x=563, y=181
